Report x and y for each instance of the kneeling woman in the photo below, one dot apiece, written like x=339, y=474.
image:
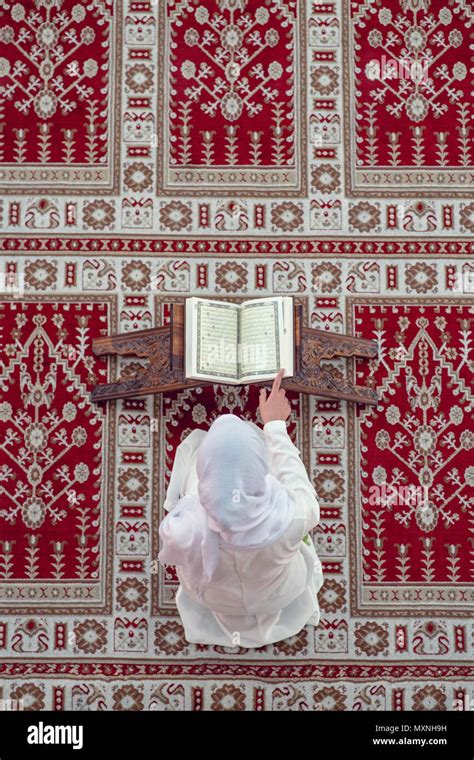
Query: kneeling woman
x=240, y=507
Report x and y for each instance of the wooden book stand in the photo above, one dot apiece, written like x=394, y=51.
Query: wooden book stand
x=164, y=349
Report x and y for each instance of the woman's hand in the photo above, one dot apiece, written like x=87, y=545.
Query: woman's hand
x=276, y=406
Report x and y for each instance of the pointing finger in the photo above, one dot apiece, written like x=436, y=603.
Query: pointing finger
x=277, y=381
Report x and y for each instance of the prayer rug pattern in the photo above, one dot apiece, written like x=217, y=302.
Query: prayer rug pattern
x=413, y=523
x=410, y=98
x=57, y=447
x=250, y=117
x=120, y=646
x=60, y=110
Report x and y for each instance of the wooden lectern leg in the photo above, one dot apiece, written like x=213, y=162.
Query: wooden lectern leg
x=144, y=384
x=311, y=347
x=164, y=349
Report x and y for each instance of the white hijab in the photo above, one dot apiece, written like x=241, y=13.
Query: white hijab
x=239, y=502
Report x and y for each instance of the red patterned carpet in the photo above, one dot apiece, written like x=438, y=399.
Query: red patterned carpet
x=156, y=150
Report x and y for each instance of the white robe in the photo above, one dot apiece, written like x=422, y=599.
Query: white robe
x=257, y=596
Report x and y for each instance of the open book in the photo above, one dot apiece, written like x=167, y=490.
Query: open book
x=239, y=343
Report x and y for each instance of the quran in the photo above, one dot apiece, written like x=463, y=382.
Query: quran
x=238, y=343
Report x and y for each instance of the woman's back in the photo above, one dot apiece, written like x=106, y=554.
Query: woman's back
x=264, y=579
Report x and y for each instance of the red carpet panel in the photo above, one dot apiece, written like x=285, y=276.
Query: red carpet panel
x=161, y=149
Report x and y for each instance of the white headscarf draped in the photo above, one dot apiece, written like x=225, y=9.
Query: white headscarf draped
x=239, y=502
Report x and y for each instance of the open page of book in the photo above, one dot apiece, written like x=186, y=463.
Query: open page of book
x=266, y=338
x=212, y=340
